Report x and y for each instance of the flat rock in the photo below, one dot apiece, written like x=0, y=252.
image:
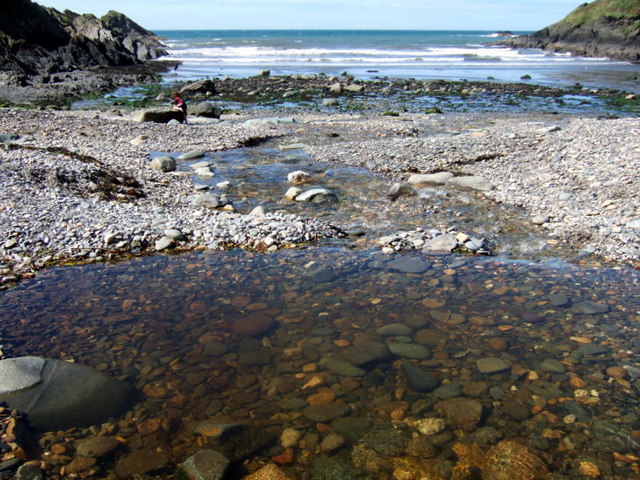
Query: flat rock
x=62, y=395
x=446, y=243
x=255, y=324
x=395, y=329
x=192, y=155
x=341, y=367
x=490, y=365
x=591, y=308
x=439, y=178
x=205, y=464
x=410, y=350
x=366, y=352
x=419, y=379
x=551, y=365
x=140, y=462
x=325, y=413
x=315, y=195
x=463, y=413
x=407, y=264
x=473, y=182
x=97, y=446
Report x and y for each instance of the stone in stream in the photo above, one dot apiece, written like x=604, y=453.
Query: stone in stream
x=192, y=155
x=366, y=352
x=395, y=329
x=205, y=464
x=409, y=350
x=509, y=460
x=8, y=137
x=491, y=365
x=268, y=472
x=559, y=300
x=293, y=146
x=473, y=182
x=551, y=365
x=430, y=426
x=325, y=413
x=462, y=413
x=329, y=102
x=292, y=193
x=234, y=440
x=591, y=308
x=163, y=164
x=445, y=243
x=407, y=264
x=97, y=446
x=140, y=462
x=419, y=379
x=298, y=177
x=316, y=195
x=398, y=190
x=59, y=395
x=255, y=324
x=341, y=367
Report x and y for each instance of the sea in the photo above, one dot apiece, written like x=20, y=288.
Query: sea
x=446, y=54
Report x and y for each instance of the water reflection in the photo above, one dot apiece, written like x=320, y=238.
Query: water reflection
x=330, y=341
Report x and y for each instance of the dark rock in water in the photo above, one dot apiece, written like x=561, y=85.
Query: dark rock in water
x=140, y=462
x=234, y=440
x=325, y=413
x=463, y=413
x=255, y=324
x=603, y=28
x=36, y=40
x=322, y=274
x=591, y=308
x=204, y=464
x=366, y=352
x=351, y=429
x=206, y=109
x=59, y=395
x=420, y=380
x=406, y=264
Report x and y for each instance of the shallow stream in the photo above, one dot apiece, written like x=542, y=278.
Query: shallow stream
x=543, y=349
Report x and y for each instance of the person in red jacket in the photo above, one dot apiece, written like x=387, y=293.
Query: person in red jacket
x=180, y=105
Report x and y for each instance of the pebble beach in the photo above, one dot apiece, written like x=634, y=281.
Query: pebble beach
x=575, y=177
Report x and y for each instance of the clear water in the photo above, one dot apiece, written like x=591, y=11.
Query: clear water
x=165, y=324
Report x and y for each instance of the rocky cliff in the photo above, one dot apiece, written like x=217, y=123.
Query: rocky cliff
x=37, y=41
x=603, y=28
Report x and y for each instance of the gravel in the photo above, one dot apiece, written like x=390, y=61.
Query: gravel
x=78, y=185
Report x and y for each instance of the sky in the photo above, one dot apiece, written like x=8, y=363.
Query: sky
x=516, y=15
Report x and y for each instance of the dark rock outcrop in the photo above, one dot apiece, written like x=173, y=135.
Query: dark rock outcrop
x=40, y=41
x=603, y=28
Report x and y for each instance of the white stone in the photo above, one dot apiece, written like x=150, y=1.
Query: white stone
x=292, y=193
x=20, y=373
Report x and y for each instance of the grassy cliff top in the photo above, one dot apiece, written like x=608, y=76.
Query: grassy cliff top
x=599, y=9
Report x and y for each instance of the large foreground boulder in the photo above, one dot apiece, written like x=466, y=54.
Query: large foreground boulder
x=59, y=395
x=206, y=109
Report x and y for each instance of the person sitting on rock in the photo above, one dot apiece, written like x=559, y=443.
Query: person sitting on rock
x=180, y=105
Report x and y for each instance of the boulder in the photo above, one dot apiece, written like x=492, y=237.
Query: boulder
x=298, y=177
x=163, y=164
x=206, y=109
x=204, y=464
x=200, y=86
x=398, y=190
x=157, y=115
x=58, y=395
